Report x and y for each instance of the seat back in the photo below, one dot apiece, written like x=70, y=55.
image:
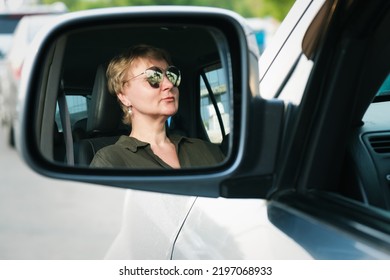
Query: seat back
x=104, y=112
x=87, y=148
x=103, y=125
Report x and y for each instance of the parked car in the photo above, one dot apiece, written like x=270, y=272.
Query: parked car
x=306, y=173
x=10, y=17
x=8, y=24
x=25, y=32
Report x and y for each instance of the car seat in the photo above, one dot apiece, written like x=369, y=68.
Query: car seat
x=58, y=144
x=104, y=125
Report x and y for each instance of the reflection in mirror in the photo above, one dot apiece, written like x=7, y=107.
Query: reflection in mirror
x=121, y=106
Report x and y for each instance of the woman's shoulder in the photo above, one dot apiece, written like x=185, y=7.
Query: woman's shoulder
x=108, y=155
x=196, y=141
x=200, y=147
x=113, y=148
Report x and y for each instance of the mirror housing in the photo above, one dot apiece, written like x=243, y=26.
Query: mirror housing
x=257, y=123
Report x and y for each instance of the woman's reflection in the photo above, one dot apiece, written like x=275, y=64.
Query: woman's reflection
x=146, y=85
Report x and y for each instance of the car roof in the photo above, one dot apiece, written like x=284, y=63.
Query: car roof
x=86, y=50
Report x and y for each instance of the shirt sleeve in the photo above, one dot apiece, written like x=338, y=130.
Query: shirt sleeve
x=199, y=153
x=108, y=157
x=100, y=160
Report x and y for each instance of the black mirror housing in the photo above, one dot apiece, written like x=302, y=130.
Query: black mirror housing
x=256, y=122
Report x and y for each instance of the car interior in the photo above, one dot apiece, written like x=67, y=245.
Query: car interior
x=366, y=168
x=94, y=116
x=356, y=122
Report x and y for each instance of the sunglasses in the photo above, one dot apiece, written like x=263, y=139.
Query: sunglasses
x=155, y=75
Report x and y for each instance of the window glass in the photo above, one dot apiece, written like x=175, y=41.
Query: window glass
x=377, y=111
x=210, y=111
x=385, y=88
x=8, y=24
x=78, y=109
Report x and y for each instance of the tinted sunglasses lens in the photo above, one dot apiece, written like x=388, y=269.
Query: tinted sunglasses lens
x=154, y=76
x=174, y=75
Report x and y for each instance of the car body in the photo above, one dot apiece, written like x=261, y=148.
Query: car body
x=18, y=30
x=301, y=179
x=12, y=14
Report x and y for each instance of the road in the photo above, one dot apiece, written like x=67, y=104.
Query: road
x=46, y=219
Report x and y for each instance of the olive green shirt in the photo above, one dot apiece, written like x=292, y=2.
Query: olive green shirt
x=129, y=152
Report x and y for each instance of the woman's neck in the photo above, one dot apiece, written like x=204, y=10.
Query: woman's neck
x=152, y=133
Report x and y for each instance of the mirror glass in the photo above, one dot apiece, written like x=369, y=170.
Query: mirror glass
x=156, y=116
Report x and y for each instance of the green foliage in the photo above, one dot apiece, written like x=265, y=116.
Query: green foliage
x=247, y=8
x=278, y=9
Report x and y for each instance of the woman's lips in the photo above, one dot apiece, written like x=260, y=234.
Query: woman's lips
x=169, y=99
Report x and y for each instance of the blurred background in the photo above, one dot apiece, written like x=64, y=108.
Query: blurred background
x=264, y=15
x=42, y=218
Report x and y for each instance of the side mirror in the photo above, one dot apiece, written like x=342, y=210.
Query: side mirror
x=64, y=62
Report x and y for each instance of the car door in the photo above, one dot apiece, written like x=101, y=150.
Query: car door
x=330, y=219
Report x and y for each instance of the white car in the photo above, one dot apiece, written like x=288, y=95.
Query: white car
x=302, y=177
x=25, y=29
x=8, y=23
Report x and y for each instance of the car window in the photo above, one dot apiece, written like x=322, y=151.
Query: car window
x=370, y=149
x=78, y=109
x=8, y=24
x=214, y=103
x=7, y=28
x=384, y=90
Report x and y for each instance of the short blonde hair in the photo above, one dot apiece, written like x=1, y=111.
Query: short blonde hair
x=119, y=65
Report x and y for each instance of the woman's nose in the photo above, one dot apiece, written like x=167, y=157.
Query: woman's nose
x=166, y=83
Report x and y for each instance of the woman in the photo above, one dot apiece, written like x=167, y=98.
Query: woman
x=146, y=85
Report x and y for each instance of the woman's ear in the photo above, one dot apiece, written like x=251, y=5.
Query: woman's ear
x=122, y=97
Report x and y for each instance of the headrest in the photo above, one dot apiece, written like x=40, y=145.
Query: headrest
x=104, y=113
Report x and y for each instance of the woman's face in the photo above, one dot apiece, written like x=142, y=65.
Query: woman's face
x=145, y=100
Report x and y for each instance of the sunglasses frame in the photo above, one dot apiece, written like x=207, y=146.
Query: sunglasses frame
x=162, y=72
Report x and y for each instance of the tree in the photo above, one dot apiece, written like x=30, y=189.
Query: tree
x=247, y=8
x=277, y=9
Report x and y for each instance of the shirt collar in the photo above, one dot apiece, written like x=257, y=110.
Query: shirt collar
x=133, y=144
